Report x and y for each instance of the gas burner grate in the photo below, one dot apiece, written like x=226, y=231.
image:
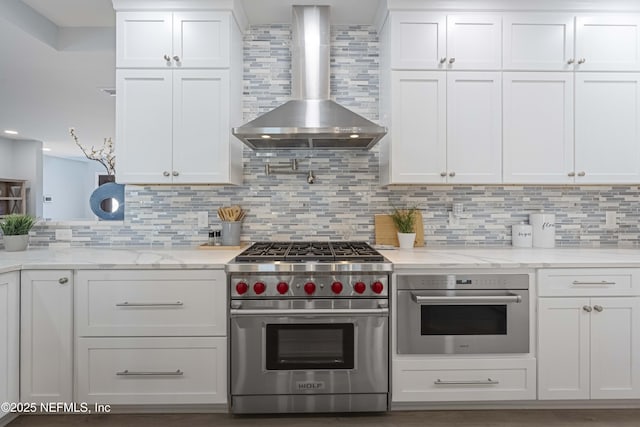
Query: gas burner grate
x=310, y=251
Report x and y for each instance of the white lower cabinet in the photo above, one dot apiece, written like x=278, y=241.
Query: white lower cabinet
x=46, y=336
x=167, y=370
x=457, y=379
x=9, y=338
x=151, y=337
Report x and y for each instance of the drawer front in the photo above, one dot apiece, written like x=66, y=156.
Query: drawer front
x=151, y=303
x=136, y=371
x=463, y=380
x=589, y=282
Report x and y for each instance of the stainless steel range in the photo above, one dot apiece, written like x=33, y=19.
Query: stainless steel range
x=309, y=328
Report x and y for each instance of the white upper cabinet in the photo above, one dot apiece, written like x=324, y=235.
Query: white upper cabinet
x=608, y=42
x=538, y=127
x=607, y=128
x=179, y=39
x=538, y=41
x=435, y=41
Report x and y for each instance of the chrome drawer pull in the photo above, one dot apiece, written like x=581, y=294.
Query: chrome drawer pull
x=495, y=299
x=128, y=373
x=472, y=382
x=150, y=304
x=603, y=282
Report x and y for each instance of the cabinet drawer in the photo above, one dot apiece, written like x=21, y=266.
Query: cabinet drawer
x=588, y=282
x=151, y=303
x=463, y=380
x=152, y=370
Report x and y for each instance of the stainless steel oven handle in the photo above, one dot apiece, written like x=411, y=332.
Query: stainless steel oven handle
x=476, y=299
x=311, y=312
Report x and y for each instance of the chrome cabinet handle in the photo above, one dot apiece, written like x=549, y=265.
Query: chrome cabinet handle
x=470, y=382
x=479, y=299
x=176, y=58
x=166, y=173
x=167, y=58
x=571, y=61
x=582, y=173
x=150, y=304
x=603, y=282
x=452, y=174
x=175, y=173
x=581, y=61
x=587, y=308
x=128, y=373
x=63, y=280
x=598, y=308
x=571, y=174
x=452, y=60
x=443, y=60
x=443, y=174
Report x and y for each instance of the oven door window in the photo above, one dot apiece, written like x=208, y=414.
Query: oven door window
x=463, y=320
x=310, y=346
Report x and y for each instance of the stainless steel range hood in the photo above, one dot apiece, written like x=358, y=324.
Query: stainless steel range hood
x=311, y=120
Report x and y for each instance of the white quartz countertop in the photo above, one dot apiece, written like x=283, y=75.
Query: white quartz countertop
x=110, y=258
x=417, y=258
x=512, y=257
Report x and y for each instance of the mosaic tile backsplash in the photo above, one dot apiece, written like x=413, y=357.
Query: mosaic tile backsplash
x=342, y=202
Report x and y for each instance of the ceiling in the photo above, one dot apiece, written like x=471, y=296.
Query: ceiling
x=63, y=51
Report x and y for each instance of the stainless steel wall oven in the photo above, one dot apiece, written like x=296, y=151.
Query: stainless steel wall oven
x=463, y=314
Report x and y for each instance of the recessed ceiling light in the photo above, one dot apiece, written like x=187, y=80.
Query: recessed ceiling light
x=46, y=149
x=11, y=132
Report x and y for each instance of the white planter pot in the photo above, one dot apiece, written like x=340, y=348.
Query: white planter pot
x=406, y=240
x=16, y=243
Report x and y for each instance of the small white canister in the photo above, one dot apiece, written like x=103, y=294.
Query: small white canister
x=544, y=230
x=521, y=235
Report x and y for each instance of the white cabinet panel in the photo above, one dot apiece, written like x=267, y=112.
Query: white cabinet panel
x=46, y=339
x=589, y=282
x=9, y=338
x=607, y=131
x=201, y=39
x=419, y=40
x=538, y=127
x=608, y=42
x=538, y=41
x=143, y=39
x=419, y=130
x=474, y=42
x=474, y=127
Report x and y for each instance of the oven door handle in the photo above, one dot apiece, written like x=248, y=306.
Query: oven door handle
x=468, y=299
x=310, y=312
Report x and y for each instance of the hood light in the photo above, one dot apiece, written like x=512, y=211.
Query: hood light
x=266, y=136
x=355, y=135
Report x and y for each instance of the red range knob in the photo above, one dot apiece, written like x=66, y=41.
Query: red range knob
x=309, y=288
x=259, y=288
x=377, y=287
x=336, y=287
x=242, y=288
x=282, y=287
x=359, y=287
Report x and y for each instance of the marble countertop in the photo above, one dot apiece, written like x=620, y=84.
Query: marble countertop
x=417, y=258
x=112, y=258
x=512, y=257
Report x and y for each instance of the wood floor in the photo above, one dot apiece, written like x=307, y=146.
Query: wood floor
x=488, y=418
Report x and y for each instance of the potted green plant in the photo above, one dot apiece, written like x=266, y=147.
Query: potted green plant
x=404, y=220
x=15, y=230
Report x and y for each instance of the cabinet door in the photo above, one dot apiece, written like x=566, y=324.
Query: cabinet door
x=474, y=127
x=607, y=139
x=563, y=348
x=418, y=40
x=538, y=127
x=608, y=42
x=46, y=339
x=615, y=348
x=201, y=126
x=144, y=126
x=9, y=338
x=201, y=39
x=538, y=41
x=143, y=39
x=418, y=137
x=474, y=42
